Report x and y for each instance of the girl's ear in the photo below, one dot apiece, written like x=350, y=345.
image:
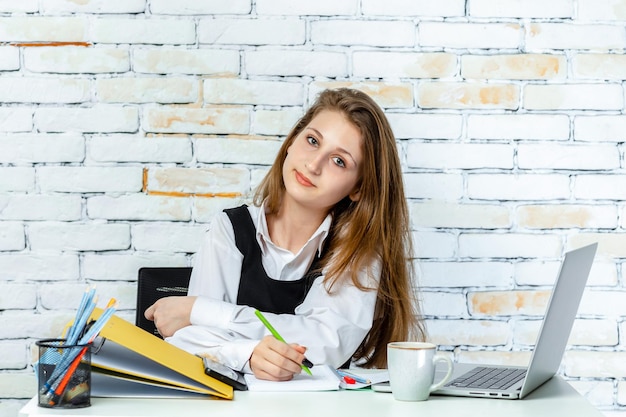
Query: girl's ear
x=355, y=195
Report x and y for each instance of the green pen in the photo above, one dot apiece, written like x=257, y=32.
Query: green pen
x=279, y=337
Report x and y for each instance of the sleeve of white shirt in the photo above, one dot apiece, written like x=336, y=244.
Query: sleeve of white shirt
x=331, y=326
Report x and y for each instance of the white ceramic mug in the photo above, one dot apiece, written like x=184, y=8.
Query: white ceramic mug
x=412, y=370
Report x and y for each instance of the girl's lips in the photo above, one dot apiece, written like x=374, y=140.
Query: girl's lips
x=303, y=180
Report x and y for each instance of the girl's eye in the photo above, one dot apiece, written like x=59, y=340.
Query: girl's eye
x=311, y=140
x=339, y=162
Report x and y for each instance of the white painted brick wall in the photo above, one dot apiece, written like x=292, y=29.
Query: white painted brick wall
x=125, y=125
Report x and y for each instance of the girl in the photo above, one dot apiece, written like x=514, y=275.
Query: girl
x=324, y=253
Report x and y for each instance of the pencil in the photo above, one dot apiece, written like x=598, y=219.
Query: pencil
x=279, y=337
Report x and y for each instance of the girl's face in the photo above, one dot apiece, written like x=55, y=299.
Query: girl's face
x=322, y=163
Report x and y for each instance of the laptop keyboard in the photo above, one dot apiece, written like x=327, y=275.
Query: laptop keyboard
x=484, y=377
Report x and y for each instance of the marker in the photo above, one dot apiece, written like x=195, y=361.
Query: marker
x=306, y=364
x=354, y=377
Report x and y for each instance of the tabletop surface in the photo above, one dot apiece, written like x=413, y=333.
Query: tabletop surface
x=555, y=397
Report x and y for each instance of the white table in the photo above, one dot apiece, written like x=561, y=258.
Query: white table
x=555, y=398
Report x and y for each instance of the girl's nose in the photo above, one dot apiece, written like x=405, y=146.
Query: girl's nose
x=314, y=164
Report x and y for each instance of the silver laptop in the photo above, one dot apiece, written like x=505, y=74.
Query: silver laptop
x=472, y=380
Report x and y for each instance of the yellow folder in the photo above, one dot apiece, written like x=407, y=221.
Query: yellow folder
x=139, y=359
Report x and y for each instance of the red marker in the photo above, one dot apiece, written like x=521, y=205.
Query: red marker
x=349, y=380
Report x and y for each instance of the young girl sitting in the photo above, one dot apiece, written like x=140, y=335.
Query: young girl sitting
x=324, y=252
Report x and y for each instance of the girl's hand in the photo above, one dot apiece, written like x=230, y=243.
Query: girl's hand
x=170, y=314
x=275, y=360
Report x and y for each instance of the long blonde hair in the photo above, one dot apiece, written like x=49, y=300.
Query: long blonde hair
x=374, y=227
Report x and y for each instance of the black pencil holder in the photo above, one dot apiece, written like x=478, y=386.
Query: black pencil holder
x=63, y=374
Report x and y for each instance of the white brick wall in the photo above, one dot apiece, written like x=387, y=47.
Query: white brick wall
x=126, y=124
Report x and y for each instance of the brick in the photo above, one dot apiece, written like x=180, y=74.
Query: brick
x=125, y=266
x=40, y=207
x=437, y=186
x=514, y=67
x=403, y=64
x=508, y=303
x=600, y=128
x=590, y=10
x=139, y=207
x=457, y=215
x=237, y=91
x=541, y=36
x=227, y=120
x=275, y=122
x=453, y=95
x=599, y=66
x=17, y=179
x=600, y=187
x=304, y=8
x=573, y=97
x=433, y=244
x=208, y=181
x=386, y=94
x=43, y=29
x=44, y=90
x=167, y=237
x=443, y=304
x=518, y=126
x=25, y=6
x=13, y=355
x=207, y=208
x=18, y=296
x=18, y=385
x=62, y=296
x=469, y=35
x=468, y=332
x=12, y=236
x=589, y=332
x=510, y=245
x=99, y=118
x=39, y=267
x=186, y=61
x=76, y=60
x=460, y=155
x=237, y=151
x=94, y=6
x=586, y=364
x=426, y=126
x=610, y=245
x=518, y=9
x=552, y=156
x=193, y=7
x=545, y=273
x=510, y=358
x=406, y=8
x=464, y=274
x=603, y=303
x=260, y=31
x=152, y=30
x=293, y=62
x=16, y=119
x=381, y=33
x=78, y=236
x=566, y=216
x=133, y=148
x=90, y=179
x=505, y=187
x=148, y=90
x=9, y=58
x=42, y=148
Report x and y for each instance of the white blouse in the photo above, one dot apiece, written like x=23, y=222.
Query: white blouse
x=331, y=326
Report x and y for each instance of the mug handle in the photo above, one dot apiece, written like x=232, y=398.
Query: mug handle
x=442, y=358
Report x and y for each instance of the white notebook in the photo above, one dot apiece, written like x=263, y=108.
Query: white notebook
x=323, y=379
